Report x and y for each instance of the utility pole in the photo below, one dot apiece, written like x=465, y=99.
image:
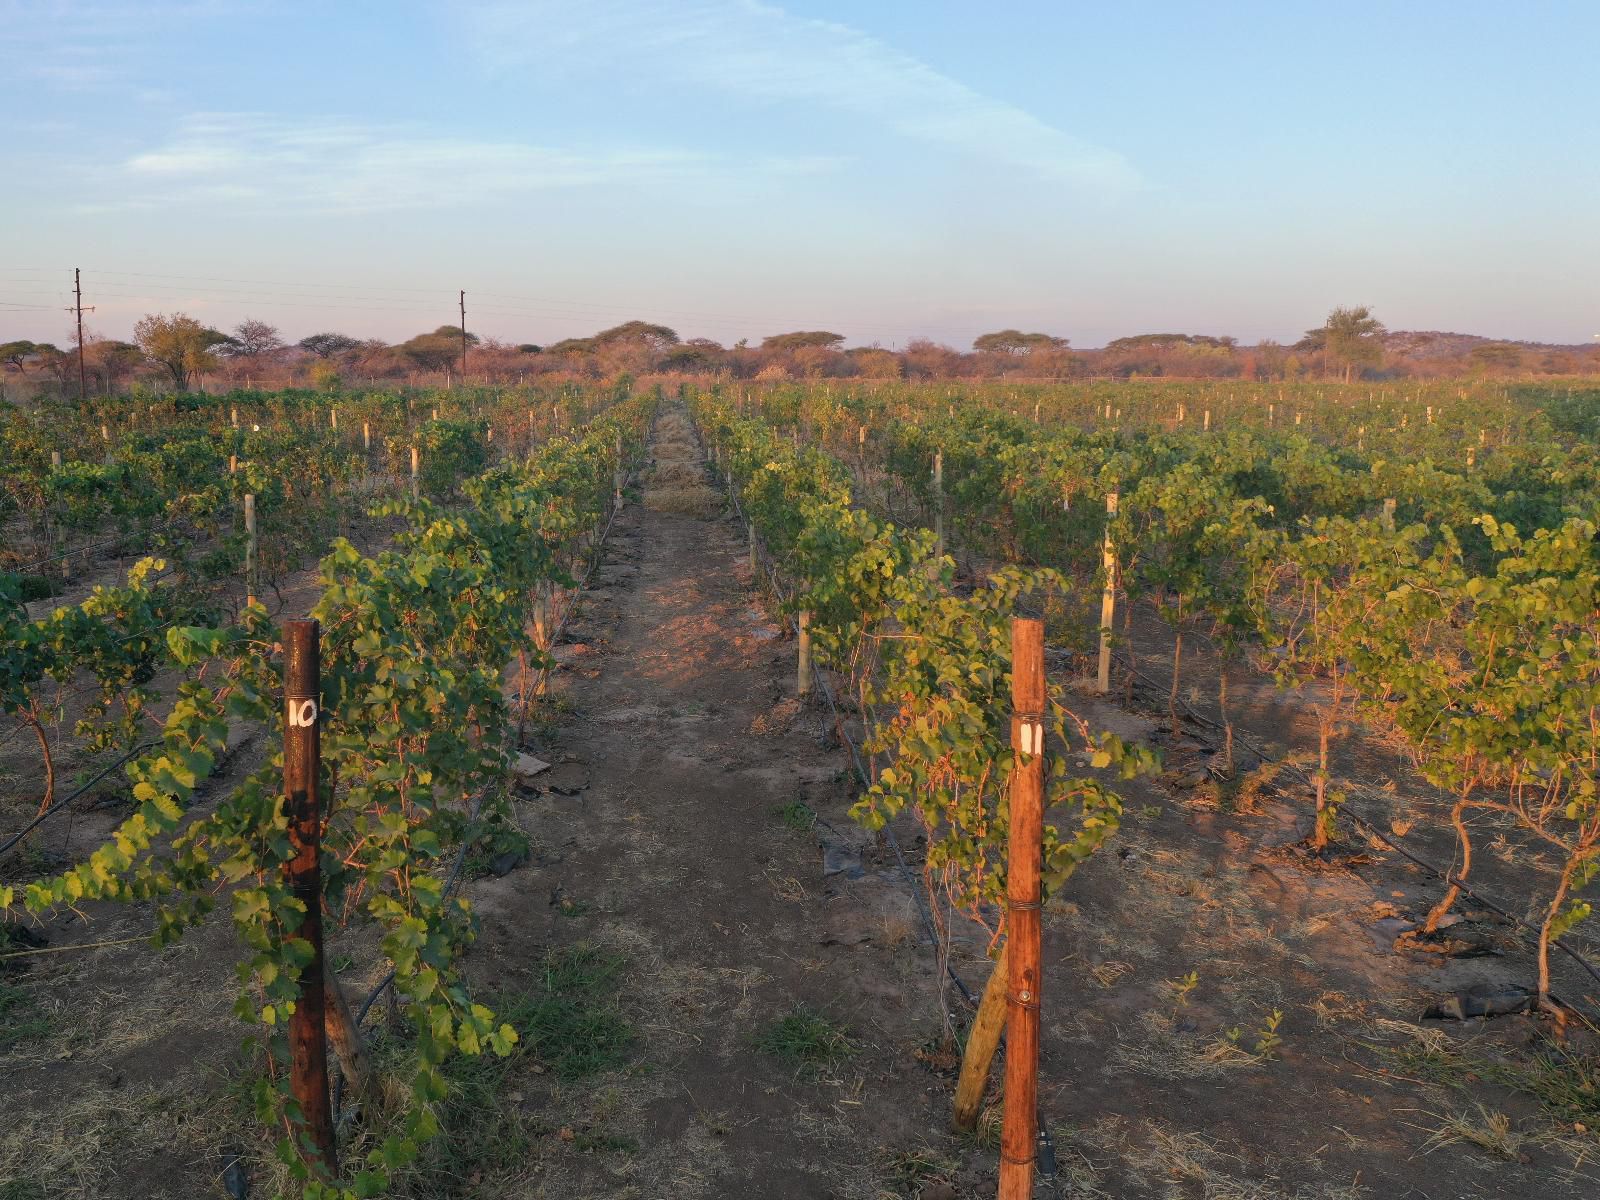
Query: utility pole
x=463, y=337
x=77, y=306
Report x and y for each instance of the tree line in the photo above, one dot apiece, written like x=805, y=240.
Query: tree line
x=183, y=353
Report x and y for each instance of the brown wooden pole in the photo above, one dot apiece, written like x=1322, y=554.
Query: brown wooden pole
x=1019, y=1127
x=302, y=759
x=982, y=1041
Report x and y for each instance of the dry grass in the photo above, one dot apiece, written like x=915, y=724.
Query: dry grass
x=1493, y=1132
x=696, y=501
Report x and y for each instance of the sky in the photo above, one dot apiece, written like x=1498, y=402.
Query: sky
x=886, y=170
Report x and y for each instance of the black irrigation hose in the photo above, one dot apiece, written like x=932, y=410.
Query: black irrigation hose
x=60, y=805
x=1367, y=827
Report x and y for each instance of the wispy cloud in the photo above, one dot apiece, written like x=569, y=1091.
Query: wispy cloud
x=75, y=45
x=249, y=160
x=763, y=53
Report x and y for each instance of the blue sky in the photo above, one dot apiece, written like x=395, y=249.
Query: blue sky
x=735, y=169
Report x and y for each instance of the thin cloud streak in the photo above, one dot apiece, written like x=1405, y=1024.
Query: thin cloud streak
x=763, y=53
x=249, y=160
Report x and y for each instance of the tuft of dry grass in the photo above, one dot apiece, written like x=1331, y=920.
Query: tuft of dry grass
x=691, y=501
x=1493, y=1132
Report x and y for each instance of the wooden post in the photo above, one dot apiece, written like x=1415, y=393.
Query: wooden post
x=1180, y=414
x=938, y=503
x=803, y=660
x=983, y=1039
x=1388, y=514
x=233, y=414
x=1025, y=837
x=366, y=435
x=249, y=549
x=302, y=762
x=66, y=558
x=1108, y=599
x=754, y=565
x=233, y=464
x=333, y=419
x=416, y=460
x=1205, y=423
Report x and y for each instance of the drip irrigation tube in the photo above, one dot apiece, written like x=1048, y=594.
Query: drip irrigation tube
x=1367, y=827
x=59, y=805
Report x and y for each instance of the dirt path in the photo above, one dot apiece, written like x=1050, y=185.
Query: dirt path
x=688, y=746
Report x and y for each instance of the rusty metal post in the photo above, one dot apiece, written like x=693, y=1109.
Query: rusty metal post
x=302, y=761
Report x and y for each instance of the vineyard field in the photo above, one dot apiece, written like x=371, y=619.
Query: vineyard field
x=667, y=763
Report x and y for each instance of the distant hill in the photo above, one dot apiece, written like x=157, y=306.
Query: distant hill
x=1433, y=344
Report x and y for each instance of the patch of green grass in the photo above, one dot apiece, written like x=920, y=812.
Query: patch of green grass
x=806, y=1041
x=23, y=1189
x=568, y=1024
x=797, y=815
x=572, y=909
x=20, y=1018
x=571, y=1023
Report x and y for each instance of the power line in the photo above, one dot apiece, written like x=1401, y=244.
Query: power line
x=283, y=294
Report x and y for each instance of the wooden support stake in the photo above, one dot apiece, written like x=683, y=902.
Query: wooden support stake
x=803, y=656
x=66, y=558
x=345, y=1037
x=1025, y=837
x=302, y=763
x=416, y=460
x=1388, y=514
x=938, y=503
x=366, y=435
x=1108, y=599
x=249, y=549
x=1205, y=422
x=983, y=1039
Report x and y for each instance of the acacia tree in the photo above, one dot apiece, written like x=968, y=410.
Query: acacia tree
x=803, y=340
x=16, y=354
x=1014, y=341
x=180, y=344
x=437, y=350
x=1353, y=336
x=326, y=345
x=253, y=338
